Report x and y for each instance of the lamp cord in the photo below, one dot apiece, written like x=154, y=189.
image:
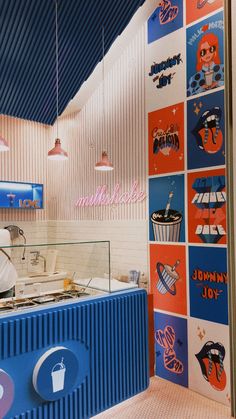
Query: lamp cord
x=57, y=78
x=103, y=84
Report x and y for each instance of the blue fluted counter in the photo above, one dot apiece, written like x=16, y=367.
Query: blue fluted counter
x=108, y=337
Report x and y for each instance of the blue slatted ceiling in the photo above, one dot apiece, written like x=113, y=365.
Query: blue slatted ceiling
x=27, y=50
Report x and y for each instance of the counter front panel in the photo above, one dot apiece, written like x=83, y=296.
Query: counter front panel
x=75, y=360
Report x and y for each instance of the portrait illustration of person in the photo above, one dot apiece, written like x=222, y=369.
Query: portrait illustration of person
x=205, y=59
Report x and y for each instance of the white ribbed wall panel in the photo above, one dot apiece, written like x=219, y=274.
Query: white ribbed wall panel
x=82, y=136
x=64, y=182
x=26, y=161
x=124, y=140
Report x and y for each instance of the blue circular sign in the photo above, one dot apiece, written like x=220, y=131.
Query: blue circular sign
x=6, y=393
x=55, y=373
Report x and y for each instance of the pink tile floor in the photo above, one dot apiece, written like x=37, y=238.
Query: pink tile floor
x=165, y=400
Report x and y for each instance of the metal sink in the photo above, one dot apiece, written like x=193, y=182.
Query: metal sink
x=58, y=296
x=6, y=307
x=16, y=304
x=44, y=299
x=54, y=297
x=25, y=303
x=63, y=296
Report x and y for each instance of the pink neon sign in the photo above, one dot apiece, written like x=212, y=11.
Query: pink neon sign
x=103, y=197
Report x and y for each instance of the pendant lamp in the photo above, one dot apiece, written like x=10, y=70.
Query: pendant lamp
x=104, y=165
x=3, y=144
x=57, y=152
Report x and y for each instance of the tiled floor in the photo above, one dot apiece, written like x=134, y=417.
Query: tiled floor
x=164, y=400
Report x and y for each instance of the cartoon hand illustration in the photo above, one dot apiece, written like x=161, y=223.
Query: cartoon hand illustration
x=167, y=12
x=171, y=363
x=166, y=339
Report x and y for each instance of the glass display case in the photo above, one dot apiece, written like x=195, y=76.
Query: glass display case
x=55, y=272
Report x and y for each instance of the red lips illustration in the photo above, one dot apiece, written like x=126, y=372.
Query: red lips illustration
x=208, y=132
x=211, y=359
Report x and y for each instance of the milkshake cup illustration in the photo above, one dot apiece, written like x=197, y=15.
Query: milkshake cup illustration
x=209, y=77
x=167, y=277
x=58, y=376
x=166, y=223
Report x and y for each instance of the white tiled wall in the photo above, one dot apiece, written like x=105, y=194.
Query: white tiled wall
x=128, y=240
x=64, y=182
x=121, y=133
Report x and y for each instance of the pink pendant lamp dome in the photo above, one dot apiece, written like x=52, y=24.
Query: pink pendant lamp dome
x=3, y=144
x=57, y=152
x=104, y=164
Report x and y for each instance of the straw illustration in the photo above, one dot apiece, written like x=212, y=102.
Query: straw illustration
x=62, y=365
x=175, y=266
x=171, y=194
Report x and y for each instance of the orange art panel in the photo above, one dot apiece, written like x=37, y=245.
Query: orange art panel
x=168, y=277
x=166, y=140
x=207, y=207
x=196, y=9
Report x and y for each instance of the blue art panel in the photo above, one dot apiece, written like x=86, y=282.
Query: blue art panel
x=171, y=348
x=205, y=55
x=167, y=18
x=208, y=284
x=206, y=132
x=21, y=195
x=166, y=209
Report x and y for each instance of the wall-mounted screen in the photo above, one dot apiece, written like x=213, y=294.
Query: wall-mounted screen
x=21, y=195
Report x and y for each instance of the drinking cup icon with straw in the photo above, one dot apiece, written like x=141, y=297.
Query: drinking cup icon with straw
x=167, y=277
x=58, y=376
x=166, y=223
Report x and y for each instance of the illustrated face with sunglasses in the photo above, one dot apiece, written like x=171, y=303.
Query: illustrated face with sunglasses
x=209, y=63
x=208, y=59
x=207, y=53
